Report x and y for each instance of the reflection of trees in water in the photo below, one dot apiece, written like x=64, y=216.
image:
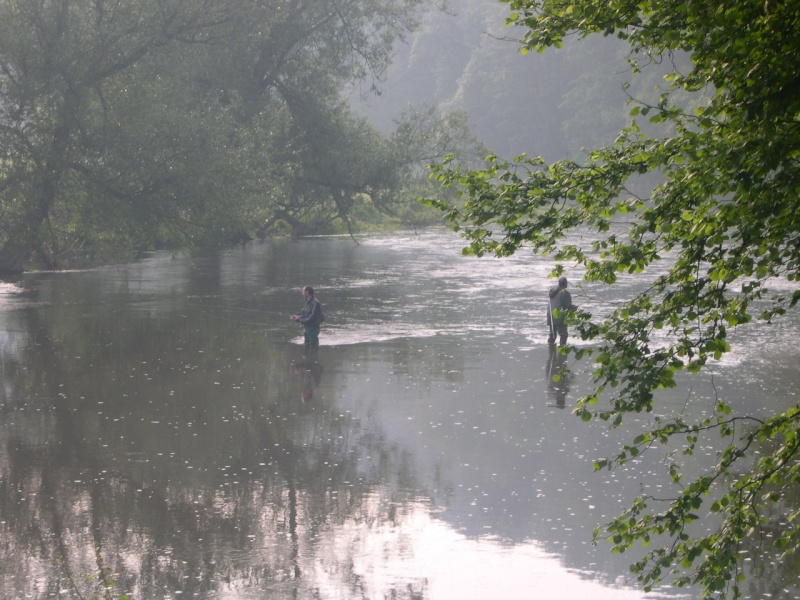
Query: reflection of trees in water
x=128, y=493
x=771, y=574
x=260, y=529
x=444, y=360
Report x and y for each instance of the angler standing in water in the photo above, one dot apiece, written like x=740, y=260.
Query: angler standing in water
x=310, y=318
x=560, y=303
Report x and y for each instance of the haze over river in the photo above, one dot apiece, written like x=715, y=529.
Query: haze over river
x=160, y=434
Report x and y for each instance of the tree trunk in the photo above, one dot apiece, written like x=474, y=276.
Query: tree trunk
x=25, y=239
x=299, y=227
x=13, y=256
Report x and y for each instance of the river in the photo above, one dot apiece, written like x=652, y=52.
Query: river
x=163, y=438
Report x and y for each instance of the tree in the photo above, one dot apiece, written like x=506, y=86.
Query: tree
x=422, y=136
x=724, y=151
x=57, y=61
x=137, y=125
x=286, y=72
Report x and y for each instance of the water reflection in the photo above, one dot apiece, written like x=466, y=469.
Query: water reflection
x=159, y=430
x=558, y=377
x=309, y=370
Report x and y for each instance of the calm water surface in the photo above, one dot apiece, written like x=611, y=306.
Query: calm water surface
x=161, y=435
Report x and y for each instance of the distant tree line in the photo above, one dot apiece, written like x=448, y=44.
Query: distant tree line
x=552, y=105
x=141, y=124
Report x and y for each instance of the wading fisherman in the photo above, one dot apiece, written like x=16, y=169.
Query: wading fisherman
x=310, y=318
x=560, y=303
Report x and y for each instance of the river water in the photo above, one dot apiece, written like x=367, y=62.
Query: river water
x=162, y=437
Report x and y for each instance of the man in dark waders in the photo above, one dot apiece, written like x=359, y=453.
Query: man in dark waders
x=560, y=303
x=310, y=318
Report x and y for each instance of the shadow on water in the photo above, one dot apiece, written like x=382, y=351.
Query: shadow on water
x=558, y=377
x=309, y=370
x=161, y=435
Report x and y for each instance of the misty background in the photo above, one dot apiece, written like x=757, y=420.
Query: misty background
x=466, y=59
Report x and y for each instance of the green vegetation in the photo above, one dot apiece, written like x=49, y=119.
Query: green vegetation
x=101, y=585
x=174, y=124
x=723, y=146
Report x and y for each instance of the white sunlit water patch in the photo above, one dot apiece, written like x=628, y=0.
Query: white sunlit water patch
x=421, y=554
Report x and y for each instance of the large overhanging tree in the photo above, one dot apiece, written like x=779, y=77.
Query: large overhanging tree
x=726, y=212
x=140, y=124
x=63, y=66
x=288, y=72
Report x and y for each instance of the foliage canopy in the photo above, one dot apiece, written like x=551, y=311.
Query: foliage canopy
x=136, y=125
x=722, y=144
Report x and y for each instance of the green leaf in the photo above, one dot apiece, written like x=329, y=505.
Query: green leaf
x=718, y=222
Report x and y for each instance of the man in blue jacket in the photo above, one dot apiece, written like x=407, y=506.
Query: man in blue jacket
x=310, y=318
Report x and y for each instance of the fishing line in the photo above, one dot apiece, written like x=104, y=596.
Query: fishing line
x=237, y=321
x=238, y=308
x=205, y=310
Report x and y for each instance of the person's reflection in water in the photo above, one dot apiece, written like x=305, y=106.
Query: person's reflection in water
x=311, y=374
x=558, y=377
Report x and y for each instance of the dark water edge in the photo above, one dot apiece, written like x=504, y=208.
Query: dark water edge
x=157, y=430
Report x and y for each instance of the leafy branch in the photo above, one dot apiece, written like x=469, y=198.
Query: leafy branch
x=719, y=160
